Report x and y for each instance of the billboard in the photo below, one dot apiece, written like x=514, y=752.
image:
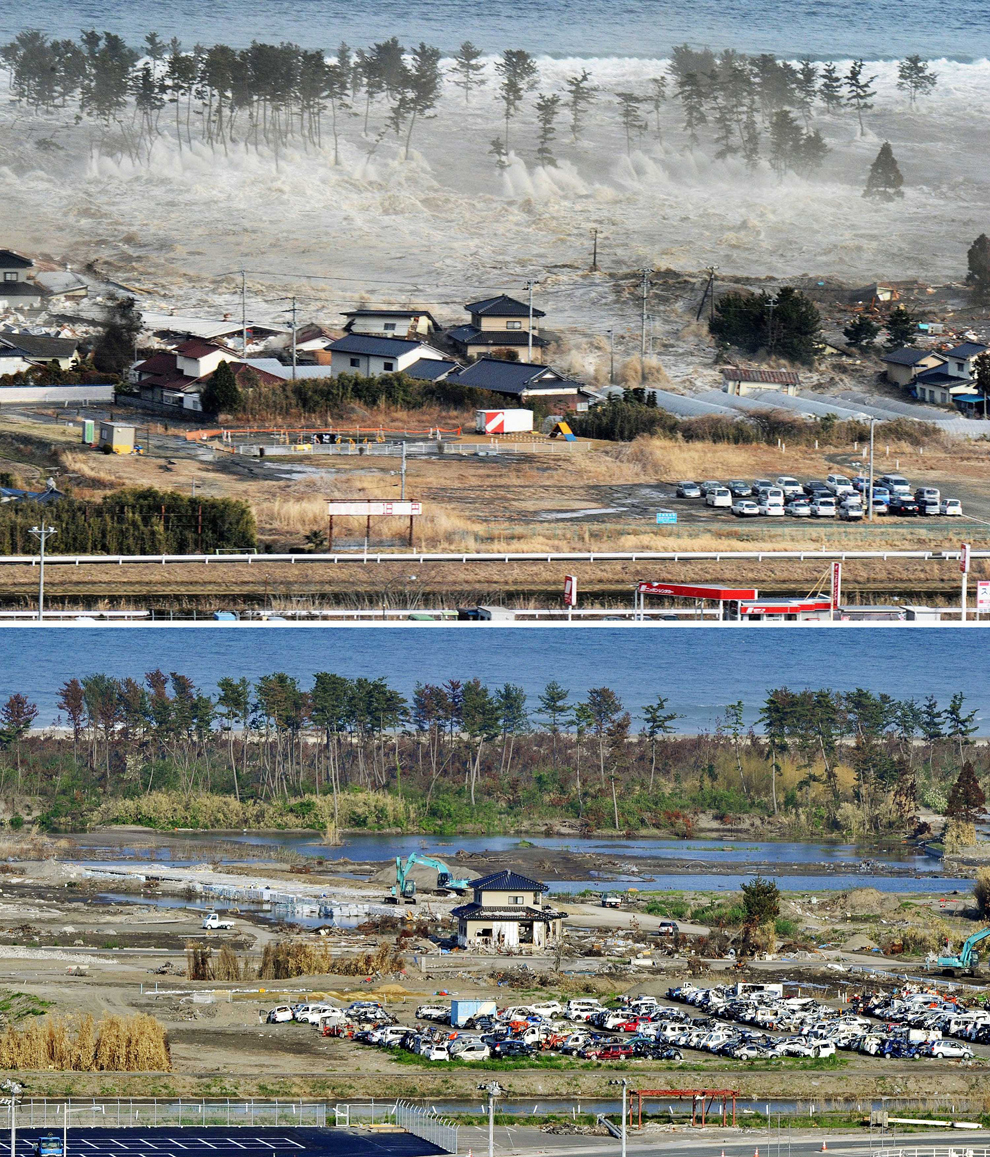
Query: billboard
x=372, y=509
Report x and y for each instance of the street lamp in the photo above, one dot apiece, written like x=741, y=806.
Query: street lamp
x=625, y=1085
x=611, y=357
x=66, y=1110
x=12, y=1091
x=494, y=1090
x=41, y=533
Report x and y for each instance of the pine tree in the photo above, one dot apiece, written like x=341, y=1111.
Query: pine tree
x=222, y=394
x=914, y=76
x=632, y=118
x=691, y=94
x=468, y=69
x=658, y=97
x=959, y=726
x=902, y=328
x=966, y=797
x=751, y=139
x=830, y=89
x=807, y=89
x=884, y=180
x=978, y=262
x=499, y=152
x=518, y=72
x=859, y=95
x=580, y=97
x=861, y=332
x=547, y=107
x=114, y=348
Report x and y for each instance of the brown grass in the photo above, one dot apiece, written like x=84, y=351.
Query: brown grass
x=116, y=1044
x=284, y=959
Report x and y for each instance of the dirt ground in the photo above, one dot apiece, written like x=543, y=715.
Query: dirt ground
x=603, y=498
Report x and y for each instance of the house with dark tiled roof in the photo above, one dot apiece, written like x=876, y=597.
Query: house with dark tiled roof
x=497, y=323
x=370, y=356
x=525, y=381
x=177, y=378
x=42, y=348
x=904, y=364
x=508, y=913
x=945, y=377
x=17, y=285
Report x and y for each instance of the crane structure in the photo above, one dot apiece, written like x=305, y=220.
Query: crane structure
x=968, y=959
x=405, y=886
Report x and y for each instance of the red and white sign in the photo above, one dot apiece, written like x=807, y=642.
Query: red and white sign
x=836, y=584
x=982, y=597
x=514, y=421
x=785, y=607
x=373, y=509
x=570, y=590
x=964, y=558
x=679, y=591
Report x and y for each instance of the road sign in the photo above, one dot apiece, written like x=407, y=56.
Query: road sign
x=666, y=517
x=982, y=597
x=836, y=584
x=964, y=558
x=375, y=509
x=570, y=590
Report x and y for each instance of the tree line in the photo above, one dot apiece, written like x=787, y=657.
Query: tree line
x=132, y=521
x=273, y=95
x=462, y=753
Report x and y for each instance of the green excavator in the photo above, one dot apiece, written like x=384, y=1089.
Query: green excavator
x=405, y=887
x=968, y=960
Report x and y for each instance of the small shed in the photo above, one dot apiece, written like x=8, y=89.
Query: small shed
x=741, y=380
x=116, y=437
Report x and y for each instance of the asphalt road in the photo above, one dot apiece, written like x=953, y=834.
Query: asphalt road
x=232, y=1142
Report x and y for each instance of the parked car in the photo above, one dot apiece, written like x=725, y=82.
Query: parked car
x=798, y=508
x=949, y=1048
x=896, y=483
x=851, y=511
x=510, y=1048
x=711, y=484
x=611, y=1052
x=771, y=507
x=433, y=1012
x=436, y=1052
x=928, y=499
x=790, y=486
x=688, y=490
x=904, y=504
x=718, y=496
x=861, y=483
x=738, y=488
x=839, y=484
x=814, y=487
x=823, y=507
x=745, y=508
x=951, y=507
x=474, y=1050
x=279, y=1015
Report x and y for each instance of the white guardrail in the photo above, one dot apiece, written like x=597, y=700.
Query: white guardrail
x=365, y=557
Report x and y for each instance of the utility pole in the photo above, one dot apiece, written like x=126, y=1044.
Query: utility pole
x=243, y=316
x=625, y=1086
x=41, y=533
x=12, y=1091
x=402, y=495
x=493, y=1089
x=594, y=251
x=770, y=304
x=712, y=270
x=869, y=506
x=293, y=339
x=529, y=351
x=642, y=341
x=964, y=568
x=611, y=357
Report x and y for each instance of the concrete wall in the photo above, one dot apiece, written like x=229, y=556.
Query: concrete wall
x=72, y=395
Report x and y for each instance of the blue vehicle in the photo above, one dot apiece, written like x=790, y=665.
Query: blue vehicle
x=49, y=1145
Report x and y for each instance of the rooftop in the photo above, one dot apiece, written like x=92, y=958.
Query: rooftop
x=40, y=346
x=471, y=335
x=967, y=349
x=505, y=377
x=502, y=306
x=359, y=343
x=410, y=311
x=908, y=356
x=196, y=348
x=508, y=881
x=772, y=377
x=11, y=260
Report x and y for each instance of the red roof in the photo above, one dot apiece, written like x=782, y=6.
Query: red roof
x=680, y=591
x=197, y=348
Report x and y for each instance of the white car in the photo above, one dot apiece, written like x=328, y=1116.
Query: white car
x=548, y=1008
x=950, y=1048
x=851, y=511
x=839, y=484
x=790, y=486
x=433, y=1012
x=745, y=508
x=951, y=507
x=281, y=1014
x=771, y=507
x=470, y=1050
x=435, y=1052
x=799, y=508
x=718, y=496
x=823, y=507
x=314, y=1013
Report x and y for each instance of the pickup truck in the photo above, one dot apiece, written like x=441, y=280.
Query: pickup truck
x=214, y=923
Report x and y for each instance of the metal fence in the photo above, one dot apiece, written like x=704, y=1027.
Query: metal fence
x=153, y=1112
x=934, y=1151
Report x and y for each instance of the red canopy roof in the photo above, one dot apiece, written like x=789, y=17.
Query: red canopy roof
x=680, y=591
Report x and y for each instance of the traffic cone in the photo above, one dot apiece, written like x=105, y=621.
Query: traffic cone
x=756, y=1153
x=824, y=1148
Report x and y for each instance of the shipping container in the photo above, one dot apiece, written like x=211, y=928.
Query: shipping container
x=461, y=1011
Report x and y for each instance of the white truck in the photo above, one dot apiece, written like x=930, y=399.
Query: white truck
x=213, y=923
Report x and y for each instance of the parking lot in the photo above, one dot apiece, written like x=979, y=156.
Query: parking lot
x=744, y=1022
x=209, y=1142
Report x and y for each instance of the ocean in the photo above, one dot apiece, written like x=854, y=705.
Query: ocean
x=584, y=28
x=700, y=672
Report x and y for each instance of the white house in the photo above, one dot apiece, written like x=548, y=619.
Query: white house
x=370, y=356
x=411, y=322
x=508, y=912
x=743, y=380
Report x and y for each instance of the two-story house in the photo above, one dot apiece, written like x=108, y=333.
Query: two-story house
x=508, y=912
x=411, y=322
x=942, y=377
x=370, y=356
x=178, y=377
x=498, y=323
x=17, y=285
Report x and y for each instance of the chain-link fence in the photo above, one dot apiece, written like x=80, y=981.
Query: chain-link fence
x=155, y=1113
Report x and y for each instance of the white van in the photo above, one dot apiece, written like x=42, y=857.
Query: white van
x=581, y=1009
x=718, y=496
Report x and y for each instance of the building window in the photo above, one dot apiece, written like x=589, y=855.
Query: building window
x=517, y=899
x=355, y=363
x=10, y=277
x=513, y=325
x=389, y=325
x=388, y=366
